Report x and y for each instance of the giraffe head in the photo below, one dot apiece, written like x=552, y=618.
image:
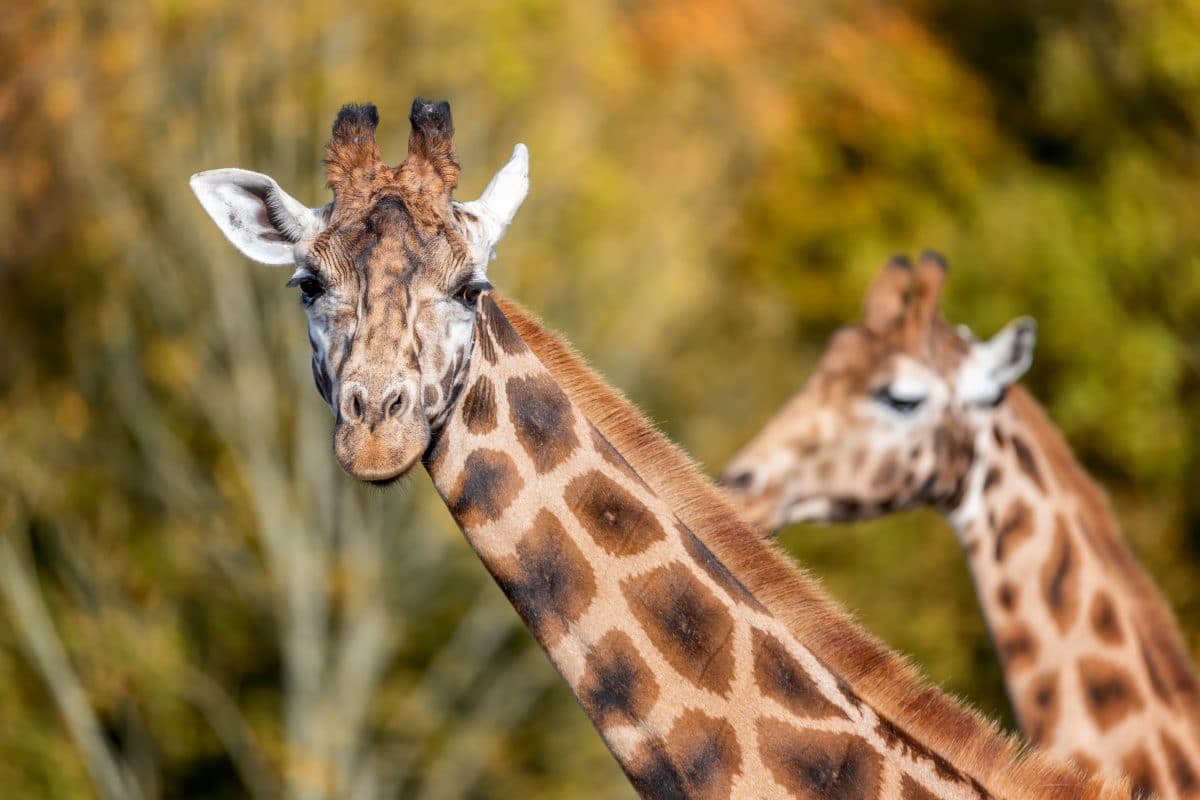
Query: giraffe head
x=389, y=274
x=890, y=416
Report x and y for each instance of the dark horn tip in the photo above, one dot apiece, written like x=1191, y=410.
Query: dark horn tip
x=354, y=115
x=934, y=257
x=426, y=113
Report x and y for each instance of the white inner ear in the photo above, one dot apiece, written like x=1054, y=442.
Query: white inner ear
x=495, y=208
x=996, y=364
x=261, y=220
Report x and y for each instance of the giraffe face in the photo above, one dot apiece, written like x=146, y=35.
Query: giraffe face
x=389, y=276
x=890, y=416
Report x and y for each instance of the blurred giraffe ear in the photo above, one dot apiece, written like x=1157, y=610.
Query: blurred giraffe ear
x=996, y=364
x=261, y=220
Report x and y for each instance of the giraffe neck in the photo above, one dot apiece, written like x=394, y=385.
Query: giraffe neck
x=702, y=683
x=1092, y=657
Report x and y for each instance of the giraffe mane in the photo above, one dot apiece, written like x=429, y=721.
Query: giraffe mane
x=886, y=679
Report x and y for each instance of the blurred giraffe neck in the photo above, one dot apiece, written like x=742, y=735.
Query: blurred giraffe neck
x=711, y=667
x=1093, y=660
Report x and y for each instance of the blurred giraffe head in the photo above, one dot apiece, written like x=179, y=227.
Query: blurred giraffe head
x=889, y=418
x=389, y=274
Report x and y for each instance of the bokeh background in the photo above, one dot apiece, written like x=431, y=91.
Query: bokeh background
x=197, y=603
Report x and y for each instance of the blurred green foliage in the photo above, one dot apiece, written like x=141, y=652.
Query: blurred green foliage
x=714, y=183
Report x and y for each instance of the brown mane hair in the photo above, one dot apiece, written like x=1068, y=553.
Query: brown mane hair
x=885, y=679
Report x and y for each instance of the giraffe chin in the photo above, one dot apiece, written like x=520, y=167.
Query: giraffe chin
x=375, y=459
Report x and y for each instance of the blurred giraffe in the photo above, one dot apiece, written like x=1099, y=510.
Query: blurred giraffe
x=683, y=636
x=904, y=410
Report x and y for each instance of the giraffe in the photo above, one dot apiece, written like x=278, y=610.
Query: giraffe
x=903, y=410
x=710, y=666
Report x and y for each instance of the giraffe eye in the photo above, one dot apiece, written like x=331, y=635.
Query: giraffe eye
x=468, y=292
x=899, y=404
x=311, y=289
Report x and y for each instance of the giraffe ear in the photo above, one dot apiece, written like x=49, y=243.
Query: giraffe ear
x=498, y=204
x=261, y=220
x=996, y=364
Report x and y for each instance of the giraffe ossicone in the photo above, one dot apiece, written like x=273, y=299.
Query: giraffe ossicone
x=904, y=410
x=680, y=634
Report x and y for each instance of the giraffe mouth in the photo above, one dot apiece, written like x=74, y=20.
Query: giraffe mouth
x=383, y=455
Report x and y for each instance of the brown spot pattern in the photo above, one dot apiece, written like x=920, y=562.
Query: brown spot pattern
x=714, y=568
x=1015, y=530
x=618, y=686
x=781, y=678
x=1017, y=647
x=549, y=581
x=613, y=457
x=1182, y=773
x=542, y=418
x=898, y=739
x=1007, y=596
x=1157, y=683
x=1085, y=762
x=819, y=765
x=705, y=753
x=618, y=521
x=1108, y=691
x=1140, y=769
x=502, y=330
x=1026, y=461
x=911, y=790
x=1060, y=578
x=435, y=454
x=653, y=775
x=954, y=452
x=479, y=406
x=1104, y=620
x=482, y=339
x=992, y=479
x=1039, y=708
x=488, y=485
x=887, y=473
x=685, y=622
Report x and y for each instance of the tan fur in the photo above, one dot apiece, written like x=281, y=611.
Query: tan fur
x=1152, y=619
x=885, y=679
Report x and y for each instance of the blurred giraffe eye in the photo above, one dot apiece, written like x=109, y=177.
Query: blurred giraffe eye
x=898, y=403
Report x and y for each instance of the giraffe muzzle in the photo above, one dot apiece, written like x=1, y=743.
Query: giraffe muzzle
x=378, y=436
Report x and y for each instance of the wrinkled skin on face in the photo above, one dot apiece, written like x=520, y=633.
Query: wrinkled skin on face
x=389, y=274
x=889, y=417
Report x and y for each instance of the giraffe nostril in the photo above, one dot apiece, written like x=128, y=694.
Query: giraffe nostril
x=394, y=403
x=352, y=405
x=737, y=480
